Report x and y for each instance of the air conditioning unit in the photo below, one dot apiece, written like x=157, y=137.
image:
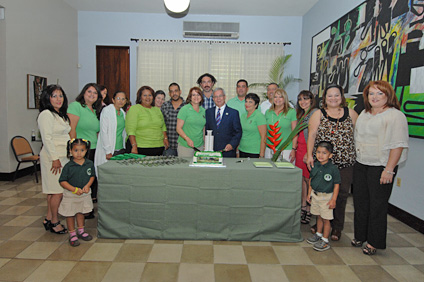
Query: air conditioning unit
x=211, y=30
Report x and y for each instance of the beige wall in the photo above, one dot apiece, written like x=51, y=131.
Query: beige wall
x=37, y=37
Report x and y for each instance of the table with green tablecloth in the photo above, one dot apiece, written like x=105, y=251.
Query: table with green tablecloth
x=179, y=202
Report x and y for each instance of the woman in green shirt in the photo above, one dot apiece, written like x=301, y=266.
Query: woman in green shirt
x=253, y=123
x=84, y=115
x=191, y=122
x=145, y=125
x=281, y=120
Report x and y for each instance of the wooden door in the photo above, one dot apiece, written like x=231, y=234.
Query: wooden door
x=113, y=68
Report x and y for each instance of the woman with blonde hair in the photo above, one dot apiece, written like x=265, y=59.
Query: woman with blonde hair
x=281, y=120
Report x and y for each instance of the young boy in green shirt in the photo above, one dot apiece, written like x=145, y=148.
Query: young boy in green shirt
x=322, y=194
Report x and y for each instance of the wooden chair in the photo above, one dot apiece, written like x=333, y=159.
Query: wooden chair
x=23, y=154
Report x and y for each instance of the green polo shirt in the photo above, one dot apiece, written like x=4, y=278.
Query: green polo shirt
x=238, y=105
x=251, y=139
x=77, y=175
x=120, y=126
x=324, y=177
x=194, y=122
x=88, y=124
x=284, y=122
x=147, y=125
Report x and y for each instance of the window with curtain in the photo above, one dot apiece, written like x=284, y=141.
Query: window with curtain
x=161, y=62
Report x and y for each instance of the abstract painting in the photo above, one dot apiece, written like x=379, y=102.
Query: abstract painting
x=378, y=40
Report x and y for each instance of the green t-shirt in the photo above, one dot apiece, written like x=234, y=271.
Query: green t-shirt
x=194, y=122
x=120, y=126
x=147, y=125
x=284, y=122
x=88, y=124
x=77, y=175
x=251, y=139
x=324, y=177
x=238, y=105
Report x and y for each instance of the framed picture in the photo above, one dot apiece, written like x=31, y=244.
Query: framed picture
x=377, y=40
x=36, y=85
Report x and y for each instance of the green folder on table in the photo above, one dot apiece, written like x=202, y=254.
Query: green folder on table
x=263, y=164
x=283, y=165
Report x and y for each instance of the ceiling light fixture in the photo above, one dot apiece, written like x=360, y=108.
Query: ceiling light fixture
x=177, y=6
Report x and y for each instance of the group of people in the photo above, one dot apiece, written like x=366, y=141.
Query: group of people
x=90, y=131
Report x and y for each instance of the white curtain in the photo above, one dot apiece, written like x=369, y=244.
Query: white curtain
x=161, y=62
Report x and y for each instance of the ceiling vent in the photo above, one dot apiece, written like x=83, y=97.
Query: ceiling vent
x=211, y=30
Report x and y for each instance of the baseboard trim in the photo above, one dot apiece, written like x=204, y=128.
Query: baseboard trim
x=21, y=173
x=407, y=218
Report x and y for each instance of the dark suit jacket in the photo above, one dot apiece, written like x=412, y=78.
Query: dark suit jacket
x=228, y=132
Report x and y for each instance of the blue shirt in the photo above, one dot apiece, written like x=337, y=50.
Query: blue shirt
x=208, y=102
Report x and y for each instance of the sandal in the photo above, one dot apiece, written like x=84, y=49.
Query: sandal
x=356, y=243
x=314, y=228
x=47, y=224
x=307, y=218
x=369, y=250
x=85, y=236
x=336, y=234
x=74, y=242
x=53, y=225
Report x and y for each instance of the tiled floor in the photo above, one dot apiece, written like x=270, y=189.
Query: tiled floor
x=29, y=253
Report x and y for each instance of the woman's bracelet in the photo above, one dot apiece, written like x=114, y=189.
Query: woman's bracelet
x=390, y=172
x=134, y=145
x=76, y=190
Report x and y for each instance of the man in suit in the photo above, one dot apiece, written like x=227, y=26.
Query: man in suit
x=225, y=124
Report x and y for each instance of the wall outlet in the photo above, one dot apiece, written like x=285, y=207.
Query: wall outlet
x=398, y=182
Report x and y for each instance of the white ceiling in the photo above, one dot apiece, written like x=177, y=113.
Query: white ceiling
x=203, y=7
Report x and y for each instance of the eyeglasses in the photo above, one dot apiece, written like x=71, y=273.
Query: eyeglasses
x=303, y=98
x=120, y=99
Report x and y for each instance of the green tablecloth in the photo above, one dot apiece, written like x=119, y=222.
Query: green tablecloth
x=239, y=202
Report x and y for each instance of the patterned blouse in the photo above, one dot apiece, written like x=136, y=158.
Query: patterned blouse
x=339, y=132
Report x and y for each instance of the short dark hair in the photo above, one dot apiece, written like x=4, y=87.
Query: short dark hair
x=117, y=92
x=174, y=84
x=254, y=97
x=142, y=88
x=199, y=80
x=325, y=144
x=324, y=96
x=46, y=105
x=98, y=104
x=273, y=83
x=158, y=92
x=242, y=80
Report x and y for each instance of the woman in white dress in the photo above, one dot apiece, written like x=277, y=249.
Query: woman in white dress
x=53, y=123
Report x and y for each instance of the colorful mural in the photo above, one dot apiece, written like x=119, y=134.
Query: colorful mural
x=378, y=40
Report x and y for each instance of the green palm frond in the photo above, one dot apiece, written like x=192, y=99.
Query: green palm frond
x=299, y=127
x=276, y=74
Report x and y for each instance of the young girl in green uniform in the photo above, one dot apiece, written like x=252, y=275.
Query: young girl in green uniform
x=76, y=178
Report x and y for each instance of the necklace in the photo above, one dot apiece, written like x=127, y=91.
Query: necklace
x=337, y=123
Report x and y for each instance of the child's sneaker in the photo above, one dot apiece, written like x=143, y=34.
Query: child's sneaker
x=321, y=246
x=313, y=239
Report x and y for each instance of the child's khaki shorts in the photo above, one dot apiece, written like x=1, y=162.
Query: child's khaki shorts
x=319, y=205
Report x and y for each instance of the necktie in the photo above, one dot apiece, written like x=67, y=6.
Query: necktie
x=218, y=117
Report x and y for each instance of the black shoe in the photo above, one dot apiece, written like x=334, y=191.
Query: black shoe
x=47, y=224
x=53, y=225
x=90, y=215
